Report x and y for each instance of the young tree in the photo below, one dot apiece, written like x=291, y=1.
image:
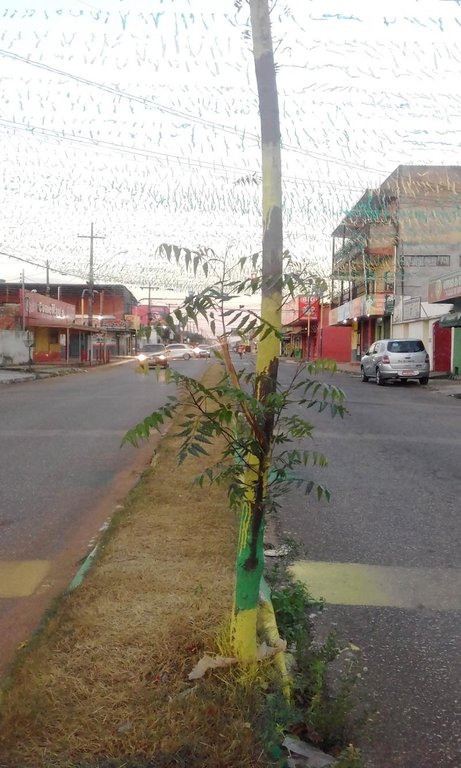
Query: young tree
x=250, y=557
x=247, y=408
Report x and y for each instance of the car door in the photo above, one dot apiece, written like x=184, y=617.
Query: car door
x=368, y=364
x=376, y=357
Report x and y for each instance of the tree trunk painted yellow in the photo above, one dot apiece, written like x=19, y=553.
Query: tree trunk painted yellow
x=250, y=555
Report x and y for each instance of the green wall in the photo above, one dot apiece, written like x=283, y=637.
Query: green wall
x=457, y=351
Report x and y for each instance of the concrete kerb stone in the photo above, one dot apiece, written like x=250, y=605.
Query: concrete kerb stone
x=15, y=375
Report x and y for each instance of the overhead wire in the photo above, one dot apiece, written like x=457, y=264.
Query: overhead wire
x=91, y=142
x=151, y=103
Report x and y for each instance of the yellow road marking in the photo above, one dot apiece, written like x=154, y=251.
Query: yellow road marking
x=21, y=578
x=380, y=585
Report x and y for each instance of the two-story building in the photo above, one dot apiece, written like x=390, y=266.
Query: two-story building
x=386, y=250
x=68, y=322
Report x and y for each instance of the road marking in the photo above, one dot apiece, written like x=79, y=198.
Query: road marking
x=21, y=578
x=381, y=585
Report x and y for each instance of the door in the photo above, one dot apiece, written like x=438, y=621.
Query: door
x=441, y=345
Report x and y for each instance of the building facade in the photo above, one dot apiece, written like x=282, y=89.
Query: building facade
x=68, y=323
x=386, y=251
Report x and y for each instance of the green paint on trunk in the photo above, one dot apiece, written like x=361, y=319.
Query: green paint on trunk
x=248, y=575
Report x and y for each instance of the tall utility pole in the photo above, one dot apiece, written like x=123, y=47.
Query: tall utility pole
x=91, y=237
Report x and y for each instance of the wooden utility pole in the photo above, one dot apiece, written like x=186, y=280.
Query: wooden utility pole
x=91, y=237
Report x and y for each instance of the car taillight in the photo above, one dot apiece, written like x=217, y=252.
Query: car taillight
x=427, y=358
x=386, y=359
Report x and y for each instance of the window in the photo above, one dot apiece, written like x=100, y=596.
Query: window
x=409, y=345
x=426, y=261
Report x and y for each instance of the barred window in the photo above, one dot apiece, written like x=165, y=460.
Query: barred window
x=427, y=261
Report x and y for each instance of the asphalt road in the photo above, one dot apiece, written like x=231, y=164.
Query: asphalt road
x=386, y=554
x=62, y=473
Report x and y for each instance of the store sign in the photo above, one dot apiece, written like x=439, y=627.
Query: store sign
x=45, y=311
x=362, y=306
x=308, y=308
x=133, y=322
x=445, y=288
x=114, y=325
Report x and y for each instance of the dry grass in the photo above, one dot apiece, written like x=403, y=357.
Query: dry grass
x=106, y=683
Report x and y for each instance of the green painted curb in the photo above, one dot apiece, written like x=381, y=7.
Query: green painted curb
x=78, y=578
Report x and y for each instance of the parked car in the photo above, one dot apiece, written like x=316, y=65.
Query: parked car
x=395, y=360
x=178, y=351
x=153, y=354
x=202, y=350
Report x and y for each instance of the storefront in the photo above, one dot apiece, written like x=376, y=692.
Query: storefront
x=446, y=290
x=369, y=318
x=300, y=328
x=51, y=327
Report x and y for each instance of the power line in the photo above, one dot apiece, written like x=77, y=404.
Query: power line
x=150, y=103
x=91, y=142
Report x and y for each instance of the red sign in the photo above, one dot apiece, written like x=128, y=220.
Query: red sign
x=308, y=308
x=45, y=311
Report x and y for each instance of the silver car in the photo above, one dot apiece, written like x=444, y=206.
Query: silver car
x=396, y=360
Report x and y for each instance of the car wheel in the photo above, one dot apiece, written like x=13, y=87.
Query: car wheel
x=425, y=380
x=363, y=376
x=379, y=379
x=186, y=356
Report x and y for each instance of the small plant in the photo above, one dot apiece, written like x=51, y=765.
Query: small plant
x=350, y=758
x=316, y=714
x=324, y=715
x=292, y=603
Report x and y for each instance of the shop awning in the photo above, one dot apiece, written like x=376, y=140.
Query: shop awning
x=452, y=320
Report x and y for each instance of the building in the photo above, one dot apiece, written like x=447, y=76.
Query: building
x=67, y=322
x=447, y=288
x=307, y=334
x=387, y=249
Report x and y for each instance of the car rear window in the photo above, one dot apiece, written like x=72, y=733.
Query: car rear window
x=408, y=345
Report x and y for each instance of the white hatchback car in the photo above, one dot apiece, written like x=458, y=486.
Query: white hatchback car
x=178, y=352
x=395, y=360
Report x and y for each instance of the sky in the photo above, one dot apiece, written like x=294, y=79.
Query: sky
x=142, y=117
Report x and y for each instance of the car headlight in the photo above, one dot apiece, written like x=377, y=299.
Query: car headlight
x=141, y=358
x=161, y=357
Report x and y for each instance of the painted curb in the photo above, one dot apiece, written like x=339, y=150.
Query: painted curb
x=78, y=578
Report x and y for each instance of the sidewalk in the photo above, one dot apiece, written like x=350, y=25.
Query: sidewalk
x=19, y=374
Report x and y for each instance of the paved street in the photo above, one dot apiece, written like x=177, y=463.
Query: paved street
x=62, y=474
x=385, y=552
